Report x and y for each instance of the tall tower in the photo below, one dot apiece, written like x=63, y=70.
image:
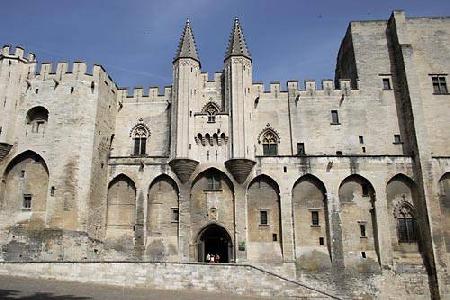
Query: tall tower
x=186, y=76
x=238, y=83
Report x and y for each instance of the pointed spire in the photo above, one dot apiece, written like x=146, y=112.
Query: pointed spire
x=187, y=47
x=237, y=44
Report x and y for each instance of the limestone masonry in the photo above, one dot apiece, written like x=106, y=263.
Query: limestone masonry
x=342, y=186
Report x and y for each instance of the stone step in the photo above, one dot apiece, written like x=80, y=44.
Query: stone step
x=224, y=278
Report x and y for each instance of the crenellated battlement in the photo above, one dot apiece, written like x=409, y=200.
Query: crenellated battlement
x=69, y=71
x=17, y=53
x=309, y=89
x=139, y=94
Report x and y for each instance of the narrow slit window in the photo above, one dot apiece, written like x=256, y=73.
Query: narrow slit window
x=361, y=139
x=362, y=230
x=175, y=215
x=315, y=218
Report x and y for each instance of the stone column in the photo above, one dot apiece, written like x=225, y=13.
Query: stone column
x=287, y=230
x=240, y=221
x=184, y=222
x=383, y=222
x=334, y=217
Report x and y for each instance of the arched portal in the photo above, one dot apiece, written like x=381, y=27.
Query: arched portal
x=214, y=239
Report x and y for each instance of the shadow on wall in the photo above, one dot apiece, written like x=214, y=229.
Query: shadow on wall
x=14, y=294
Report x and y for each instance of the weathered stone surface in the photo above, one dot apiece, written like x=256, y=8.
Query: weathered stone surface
x=338, y=170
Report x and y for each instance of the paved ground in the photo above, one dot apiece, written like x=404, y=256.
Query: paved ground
x=34, y=289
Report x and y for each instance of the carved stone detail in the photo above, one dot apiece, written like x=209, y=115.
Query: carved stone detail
x=183, y=167
x=240, y=168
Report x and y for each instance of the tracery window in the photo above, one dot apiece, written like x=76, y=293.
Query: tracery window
x=406, y=224
x=211, y=109
x=269, y=139
x=270, y=144
x=140, y=133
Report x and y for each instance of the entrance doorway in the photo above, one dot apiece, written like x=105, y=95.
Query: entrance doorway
x=214, y=239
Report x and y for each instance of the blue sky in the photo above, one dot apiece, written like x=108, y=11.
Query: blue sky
x=135, y=40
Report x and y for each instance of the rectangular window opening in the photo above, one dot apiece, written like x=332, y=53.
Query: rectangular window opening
x=263, y=217
x=386, y=84
x=214, y=183
x=439, y=85
x=274, y=237
x=363, y=149
x=397, y=139
x=321, y=241
x=175, y=215
x=365, y=190
x=334, y=117
x=315, y=218
x=26, y=201
x=362, y=229
x=301, y=149
x=363, y=254
x=339, y=153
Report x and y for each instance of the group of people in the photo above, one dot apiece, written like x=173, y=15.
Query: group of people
x=212, y=258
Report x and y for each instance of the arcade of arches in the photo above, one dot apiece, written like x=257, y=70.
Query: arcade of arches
x=155, y=221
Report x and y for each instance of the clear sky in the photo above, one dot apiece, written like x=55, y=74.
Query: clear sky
x=136, y=40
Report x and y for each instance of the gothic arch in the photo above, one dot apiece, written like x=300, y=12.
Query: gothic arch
x=121, y=210
x=24, y=183
x=140, y=130
x=210, y=171
x=25, y=155
x=311, y=222
x=211, y=108
x=264, y=220
x=269, y=133
x=162, y=219
x=359, y=221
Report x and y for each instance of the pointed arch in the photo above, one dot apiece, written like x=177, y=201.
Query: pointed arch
x=311, y=221
x=121, y=177
x=269, y=138
x=211, y=109
x=24, y=183
x=360, y=233
x=28, y=154
x=140, y=133
x=162, y=219
x=213, y=172
x=264, y=220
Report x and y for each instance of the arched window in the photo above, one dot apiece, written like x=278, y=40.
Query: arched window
x=406, y=224
x=140, y=133
x=269, y=139
x=37, y=118
x=211, y=109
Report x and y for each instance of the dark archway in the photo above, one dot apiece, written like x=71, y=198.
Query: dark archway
x=214, y=239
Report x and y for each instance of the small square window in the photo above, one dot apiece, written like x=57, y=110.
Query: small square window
x=362, y=230
x=386, y=84
x=397, y=139
x=214, y=183
x=175, y=215
x=263, y=217
x=315, y=218
x=22, y=174
x=363, y=254
x=301, y=149
x=339, y=153
x=439, y=85
x=26, y=201
x=334, y=117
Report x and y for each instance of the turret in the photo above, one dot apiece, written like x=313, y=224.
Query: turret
x=238, y=83
x=186, y=78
